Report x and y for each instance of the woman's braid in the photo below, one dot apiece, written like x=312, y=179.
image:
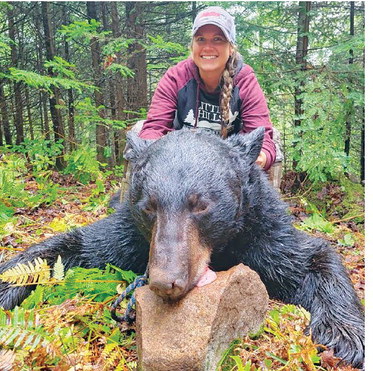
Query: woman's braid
x=226, y=92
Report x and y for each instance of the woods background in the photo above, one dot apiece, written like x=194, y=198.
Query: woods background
x=75, y=75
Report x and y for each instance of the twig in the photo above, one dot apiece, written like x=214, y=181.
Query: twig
x=346, y=219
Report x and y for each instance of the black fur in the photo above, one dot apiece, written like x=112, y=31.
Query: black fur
x=245, y=221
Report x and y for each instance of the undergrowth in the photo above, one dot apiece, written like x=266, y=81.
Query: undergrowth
x=65, y=324
x=279, y=345
x=66, y=321
x=27, y=178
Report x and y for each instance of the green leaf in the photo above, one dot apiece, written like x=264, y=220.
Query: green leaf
x=61, y=67
x=85, y=30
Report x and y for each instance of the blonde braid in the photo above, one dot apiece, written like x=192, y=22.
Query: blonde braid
x=226, y=92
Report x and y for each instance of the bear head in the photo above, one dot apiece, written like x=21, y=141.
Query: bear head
x=187, y=198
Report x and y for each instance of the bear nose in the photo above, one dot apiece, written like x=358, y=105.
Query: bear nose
x=168, y=289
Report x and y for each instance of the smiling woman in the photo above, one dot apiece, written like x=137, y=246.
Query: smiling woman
x=210, y=52
x=213, y=89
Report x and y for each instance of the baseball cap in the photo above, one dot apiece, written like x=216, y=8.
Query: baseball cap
x=219, y=17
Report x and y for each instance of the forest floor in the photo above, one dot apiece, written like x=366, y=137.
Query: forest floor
x=281, y=344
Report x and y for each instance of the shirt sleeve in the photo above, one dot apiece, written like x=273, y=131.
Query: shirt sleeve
x=255, y=113
x=162, y=108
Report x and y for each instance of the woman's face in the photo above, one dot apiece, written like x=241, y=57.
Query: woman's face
x=210, y=49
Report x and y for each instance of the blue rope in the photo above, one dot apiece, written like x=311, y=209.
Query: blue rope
x=130, y=314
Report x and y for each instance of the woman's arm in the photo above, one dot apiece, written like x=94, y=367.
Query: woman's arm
x=162, y=108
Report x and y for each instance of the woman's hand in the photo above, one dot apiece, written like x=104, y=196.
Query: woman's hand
x=262, y=159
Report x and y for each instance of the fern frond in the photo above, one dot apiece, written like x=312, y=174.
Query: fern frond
x=109, y=349
x=130, y=365
x=30, y=273
x=19, y=336
x=59, y=269
x=111, y=354
x=20, y=328
x=7, y=358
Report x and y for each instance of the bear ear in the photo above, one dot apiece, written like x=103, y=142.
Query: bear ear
x=135, y=146
x=248, y=144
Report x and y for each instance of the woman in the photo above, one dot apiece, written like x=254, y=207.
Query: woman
x=212, y=89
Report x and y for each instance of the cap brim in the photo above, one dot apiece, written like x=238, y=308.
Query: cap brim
x=204, y=23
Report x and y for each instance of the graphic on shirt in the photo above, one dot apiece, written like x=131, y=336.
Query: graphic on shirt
x=208, y=117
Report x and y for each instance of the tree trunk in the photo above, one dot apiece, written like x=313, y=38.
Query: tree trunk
x=117, y=98
x=29, y=115
x=70, y=94
x=108, y=87
x=5, y=116
x=350, y=103
x=362, y=153
x=98, y=80
x=137, y=85
x=300, y=59
x=59, y=132
x=194, y=10
x=44, y=115
x=18, y=114
x=1, y=132
x=43, y=108
x=362, y=142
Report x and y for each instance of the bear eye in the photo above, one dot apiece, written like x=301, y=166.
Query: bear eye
x=197, y=205
x=149, y=207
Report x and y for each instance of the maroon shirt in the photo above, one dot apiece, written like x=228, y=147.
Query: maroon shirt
x=181, y=99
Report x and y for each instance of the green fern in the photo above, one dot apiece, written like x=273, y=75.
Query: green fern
x=50, y=331
x=20, y=329
x=95, y=283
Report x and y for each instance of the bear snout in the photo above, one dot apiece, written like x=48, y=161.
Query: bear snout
x=177, y=258
x=168, y=288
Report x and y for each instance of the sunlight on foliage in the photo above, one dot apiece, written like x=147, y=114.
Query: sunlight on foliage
x=118, y=45
x=347, y=240
x=159, y=45
x=27, y=273
x=58, y=269
x=280, y=345
x=41, y=154
x=319, y=145
x=12, y=187
x=66, y=324
x=89, y=115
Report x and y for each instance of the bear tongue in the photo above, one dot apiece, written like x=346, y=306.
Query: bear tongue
x=207, y=277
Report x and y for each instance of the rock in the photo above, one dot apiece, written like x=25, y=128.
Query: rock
x=193, y=333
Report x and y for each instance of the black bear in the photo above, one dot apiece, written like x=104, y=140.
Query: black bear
x=198, y=204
